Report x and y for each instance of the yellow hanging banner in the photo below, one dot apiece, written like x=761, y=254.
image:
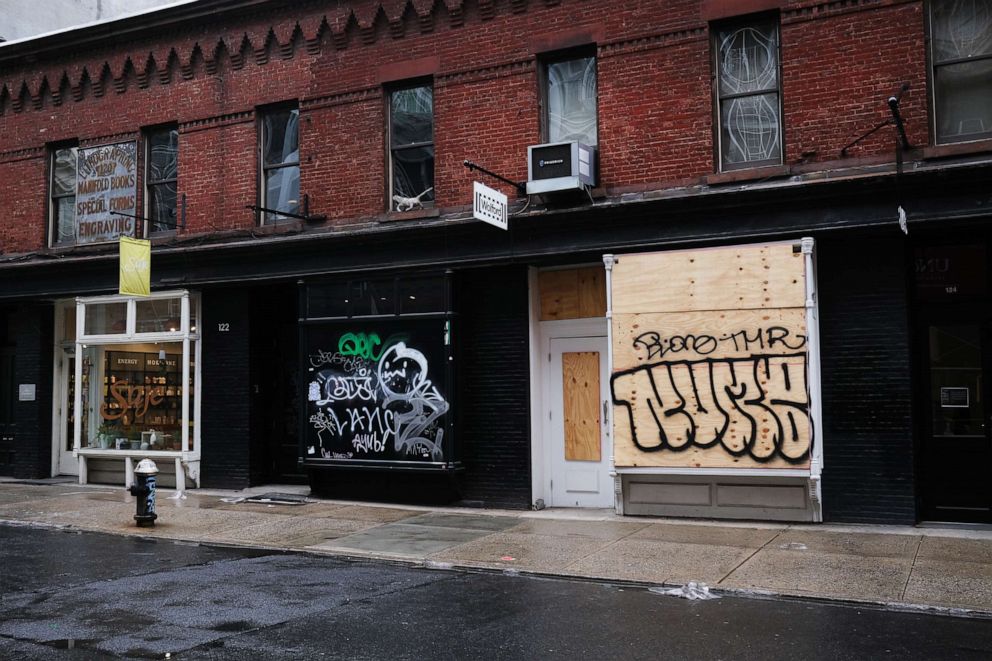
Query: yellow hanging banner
x=136, y=266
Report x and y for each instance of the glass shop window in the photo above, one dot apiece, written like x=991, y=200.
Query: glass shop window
x=280, y=153
x=961, y=59
x=161, y=177
x=63, y=195
x=569, y=100
x=411, y=147
x=132, y=396
x=748, y=94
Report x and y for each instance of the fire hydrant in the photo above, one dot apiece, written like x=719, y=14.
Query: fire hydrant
x=144, y=490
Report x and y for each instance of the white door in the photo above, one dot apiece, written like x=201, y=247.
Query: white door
x=577, y=395
x=68, y=465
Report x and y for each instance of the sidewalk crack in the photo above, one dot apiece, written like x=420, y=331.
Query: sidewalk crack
x=912, y=568
x=754, y=553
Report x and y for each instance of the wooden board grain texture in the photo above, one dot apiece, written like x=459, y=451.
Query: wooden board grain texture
x=580, y=392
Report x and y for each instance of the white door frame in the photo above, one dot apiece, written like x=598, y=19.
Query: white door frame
x=60, y=406
x=542, y=332
x=560, y=469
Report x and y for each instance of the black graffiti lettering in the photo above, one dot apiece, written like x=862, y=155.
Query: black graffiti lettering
x=778, y=334
x=756, y=406
x=657, y=346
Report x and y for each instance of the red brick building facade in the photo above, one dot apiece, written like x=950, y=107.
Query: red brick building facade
x=680, y=166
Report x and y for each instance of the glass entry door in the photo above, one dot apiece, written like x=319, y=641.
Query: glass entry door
x=68, y=465
x=956, y=457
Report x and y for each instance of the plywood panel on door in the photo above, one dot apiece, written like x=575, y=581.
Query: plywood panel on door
x=580, y=393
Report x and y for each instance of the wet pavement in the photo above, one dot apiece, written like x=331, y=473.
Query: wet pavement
x=897, y=566
x=84, y=595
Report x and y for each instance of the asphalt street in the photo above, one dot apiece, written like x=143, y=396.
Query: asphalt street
x=89, y=596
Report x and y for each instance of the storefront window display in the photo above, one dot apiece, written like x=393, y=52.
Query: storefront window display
x=138, y=376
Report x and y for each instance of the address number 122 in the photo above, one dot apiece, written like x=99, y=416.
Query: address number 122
x=223, y=328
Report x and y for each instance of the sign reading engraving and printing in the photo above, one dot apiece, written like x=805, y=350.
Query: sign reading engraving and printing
x=490, y=206
x=106, y=181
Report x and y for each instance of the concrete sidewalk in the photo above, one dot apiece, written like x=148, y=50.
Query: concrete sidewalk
x=901, y=566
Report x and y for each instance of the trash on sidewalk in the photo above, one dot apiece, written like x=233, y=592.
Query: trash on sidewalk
x=277, y=499
x=691, y=590
x=793, y=546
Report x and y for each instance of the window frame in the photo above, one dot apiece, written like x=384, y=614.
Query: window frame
x=264, y=170
x=389, y=91
x=557, y=57
x=53, y=198
x=151, y=183
x=932, y=67
x=718, y=98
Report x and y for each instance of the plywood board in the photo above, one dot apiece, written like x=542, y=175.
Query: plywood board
x=711, y=389
x=733, y=278
x=710, y=359
x=639, y=339
x=572, y=293
x=580, y=392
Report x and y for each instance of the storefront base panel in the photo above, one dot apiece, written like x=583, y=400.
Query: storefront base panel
x=412, y=488
x=111, y=471
x=763, y=498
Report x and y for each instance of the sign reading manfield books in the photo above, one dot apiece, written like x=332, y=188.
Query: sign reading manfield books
x=136, y=266
x=106, y=180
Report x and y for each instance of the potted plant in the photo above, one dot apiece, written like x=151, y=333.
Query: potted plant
x=106, y=434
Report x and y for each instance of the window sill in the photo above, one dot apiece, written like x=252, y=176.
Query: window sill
x=957, y=149
x=413, y=214
x=279, y=227
x=747, y=174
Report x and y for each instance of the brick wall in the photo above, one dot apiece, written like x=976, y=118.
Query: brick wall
x=867, y=392
x=840, y=62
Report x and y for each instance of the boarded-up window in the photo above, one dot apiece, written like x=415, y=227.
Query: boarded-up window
x=709, y=358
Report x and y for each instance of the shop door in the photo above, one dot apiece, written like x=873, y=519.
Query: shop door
x=65, y=393
x=579, y=459
x=957, y=453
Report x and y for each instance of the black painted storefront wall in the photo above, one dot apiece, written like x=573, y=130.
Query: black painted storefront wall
x=866, y=377
x=224, y=404
x=30, y=332
x=494, y=390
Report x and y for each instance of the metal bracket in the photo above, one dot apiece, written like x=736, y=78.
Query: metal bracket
x=521, y=188
x=305, y=216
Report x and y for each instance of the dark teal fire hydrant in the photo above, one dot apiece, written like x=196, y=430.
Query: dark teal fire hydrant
x=143, y=490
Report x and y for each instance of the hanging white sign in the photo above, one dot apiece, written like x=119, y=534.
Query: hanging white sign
x=490, y=206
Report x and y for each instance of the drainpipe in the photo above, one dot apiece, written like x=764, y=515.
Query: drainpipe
x=608, y=262
x=815, y=392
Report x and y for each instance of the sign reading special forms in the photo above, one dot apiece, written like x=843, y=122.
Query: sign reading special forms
x=106, y=181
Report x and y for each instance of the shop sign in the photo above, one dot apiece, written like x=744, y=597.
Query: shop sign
x=954, y=398
x=121, y=361
x=26, y=392
x=106, y=181
x=168, y=364
x=135, y=266
x=490, y=206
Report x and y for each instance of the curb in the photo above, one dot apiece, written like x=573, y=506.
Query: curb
x=434, y=565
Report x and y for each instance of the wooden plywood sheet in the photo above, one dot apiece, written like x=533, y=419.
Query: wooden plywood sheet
x=732, y=278
x=572, y=293
x=639, y=339
x=580, y=392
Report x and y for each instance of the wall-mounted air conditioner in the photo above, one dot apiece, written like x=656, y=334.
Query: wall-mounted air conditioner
x=560, y=166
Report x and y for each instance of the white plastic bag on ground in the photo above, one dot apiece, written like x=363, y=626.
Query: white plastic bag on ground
x=691, y=590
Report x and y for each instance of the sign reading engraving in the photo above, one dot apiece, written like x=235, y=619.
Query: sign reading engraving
x=106, y=180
